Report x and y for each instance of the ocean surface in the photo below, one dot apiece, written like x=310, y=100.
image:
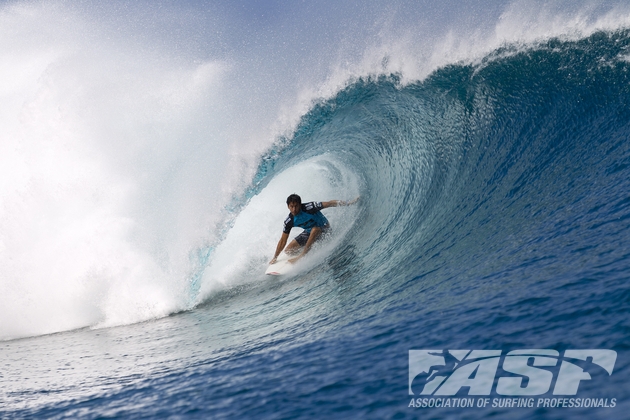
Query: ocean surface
x=494, y=214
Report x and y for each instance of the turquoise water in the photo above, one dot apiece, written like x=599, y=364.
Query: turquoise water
x=494, y=214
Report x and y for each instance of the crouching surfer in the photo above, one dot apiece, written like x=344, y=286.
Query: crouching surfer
x=309, y=217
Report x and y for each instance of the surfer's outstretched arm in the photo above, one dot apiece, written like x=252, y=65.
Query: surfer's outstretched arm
x=281, y=244
x=339, y=203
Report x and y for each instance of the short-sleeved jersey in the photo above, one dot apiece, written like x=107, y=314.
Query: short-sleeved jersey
x=307, y=219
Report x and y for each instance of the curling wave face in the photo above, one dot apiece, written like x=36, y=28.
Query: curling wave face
x=503, y=172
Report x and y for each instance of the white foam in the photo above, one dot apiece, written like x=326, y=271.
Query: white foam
x=111, y=162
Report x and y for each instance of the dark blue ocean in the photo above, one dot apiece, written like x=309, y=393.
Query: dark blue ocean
x=494, y=215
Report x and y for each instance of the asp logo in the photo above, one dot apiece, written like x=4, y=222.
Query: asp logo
x=524, y=372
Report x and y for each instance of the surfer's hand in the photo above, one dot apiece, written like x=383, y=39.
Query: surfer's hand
x=349, y=203
x=273, y=260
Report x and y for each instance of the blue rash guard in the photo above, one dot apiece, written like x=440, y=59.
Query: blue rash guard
x=307, y=219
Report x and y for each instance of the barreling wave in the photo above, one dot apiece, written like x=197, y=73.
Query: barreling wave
x=516, y=164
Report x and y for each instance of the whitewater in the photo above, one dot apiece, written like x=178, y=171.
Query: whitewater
x=146, y=153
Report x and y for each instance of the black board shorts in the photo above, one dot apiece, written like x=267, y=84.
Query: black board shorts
x=302, y=238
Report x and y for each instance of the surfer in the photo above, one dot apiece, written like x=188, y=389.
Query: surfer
x=309, y=217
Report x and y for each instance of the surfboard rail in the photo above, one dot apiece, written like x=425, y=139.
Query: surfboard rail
x=280, y=267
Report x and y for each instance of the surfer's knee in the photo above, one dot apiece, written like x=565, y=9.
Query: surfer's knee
x=293, y=247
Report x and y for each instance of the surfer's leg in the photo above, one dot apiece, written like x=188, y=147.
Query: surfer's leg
x=326, y=232
x=293, y=248
x=297, y=243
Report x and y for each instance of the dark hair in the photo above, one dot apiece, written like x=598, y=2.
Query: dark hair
x=294, y=198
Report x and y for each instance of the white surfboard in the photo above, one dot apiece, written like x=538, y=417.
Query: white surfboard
x=280, y=267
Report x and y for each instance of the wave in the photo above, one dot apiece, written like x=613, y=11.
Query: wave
x=124, y=156
x=515, y=164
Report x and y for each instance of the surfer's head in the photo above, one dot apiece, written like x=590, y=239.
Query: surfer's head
x=294, y=198
x=294, y=202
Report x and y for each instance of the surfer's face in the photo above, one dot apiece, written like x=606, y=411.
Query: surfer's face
x=294, y=208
